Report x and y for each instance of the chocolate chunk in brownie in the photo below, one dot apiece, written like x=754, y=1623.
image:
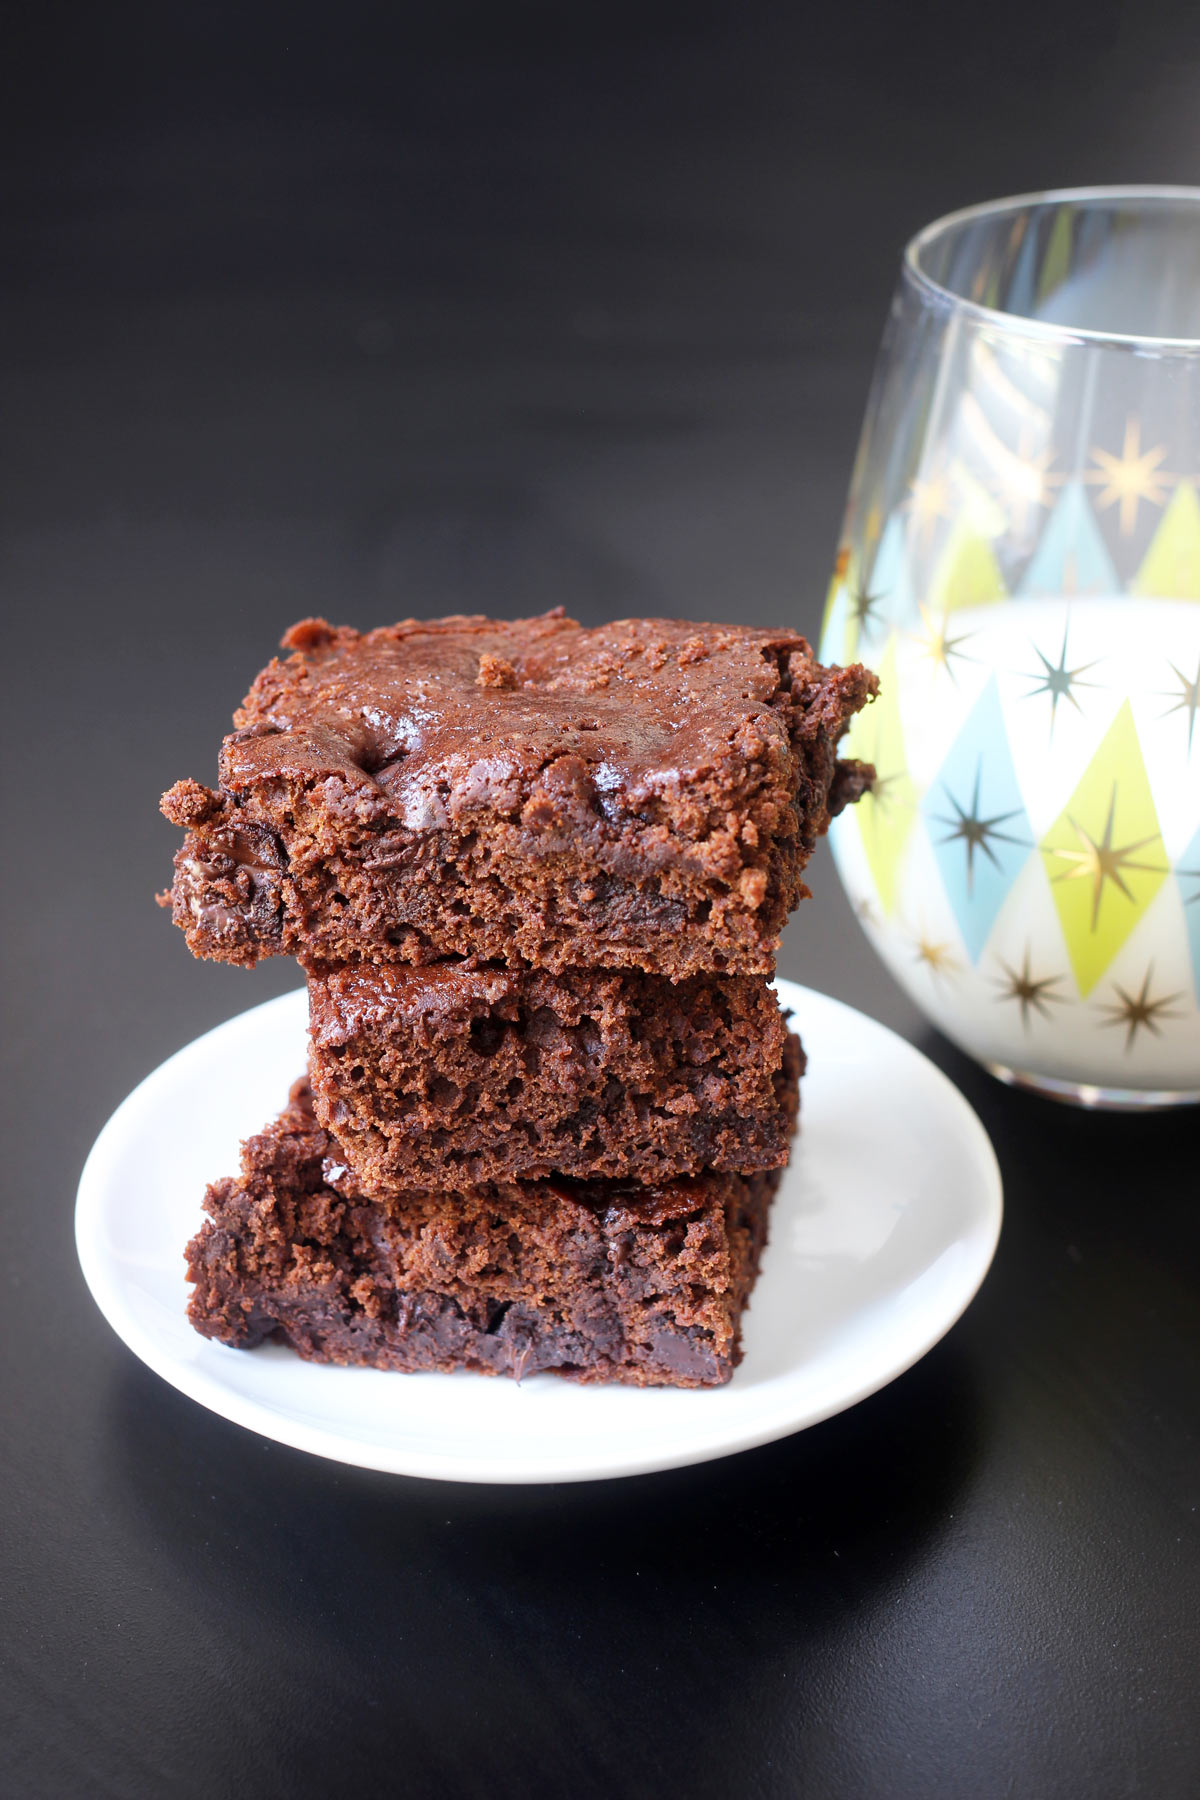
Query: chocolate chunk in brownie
x=600, y=1281
x=644, y=795
x=455, y=1073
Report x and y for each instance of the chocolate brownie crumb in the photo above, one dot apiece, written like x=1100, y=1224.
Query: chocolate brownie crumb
x=638, y=795
x=592, y=1280
x=461, y=1073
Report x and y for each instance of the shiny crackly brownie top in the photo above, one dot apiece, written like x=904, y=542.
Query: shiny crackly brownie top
x=479, y=706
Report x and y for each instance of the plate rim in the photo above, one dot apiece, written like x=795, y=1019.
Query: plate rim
x=281, y=1426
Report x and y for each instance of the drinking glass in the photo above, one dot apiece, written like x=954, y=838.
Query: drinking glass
x=1020, y=563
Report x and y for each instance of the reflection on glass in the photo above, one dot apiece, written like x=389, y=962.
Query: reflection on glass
x=1021, y=563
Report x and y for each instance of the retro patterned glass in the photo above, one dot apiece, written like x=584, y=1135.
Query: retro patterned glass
x=1020, y=563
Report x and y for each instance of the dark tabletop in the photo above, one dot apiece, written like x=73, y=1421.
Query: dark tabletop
x=388, y=310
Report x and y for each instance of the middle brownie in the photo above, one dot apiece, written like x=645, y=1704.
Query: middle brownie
x=456, y=1073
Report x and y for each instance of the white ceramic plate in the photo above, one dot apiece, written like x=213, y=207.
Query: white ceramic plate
x=882, y=1231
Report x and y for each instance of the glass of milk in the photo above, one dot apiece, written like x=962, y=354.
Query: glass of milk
x=1020, y=562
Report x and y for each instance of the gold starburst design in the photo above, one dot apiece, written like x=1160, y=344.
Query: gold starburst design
x=885, y=792
x=862, y=608
x=976, y=832
x=936, y=643
x=1104, y=861
x=1027, y=483
x=1058, y=680
x=1138, y=1011
x=929, y=500
x=1130, y=478
x=1034, y=994
x=939, y=958
x=1188, y=699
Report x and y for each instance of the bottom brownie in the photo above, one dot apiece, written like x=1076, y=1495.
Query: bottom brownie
x=601, y=1281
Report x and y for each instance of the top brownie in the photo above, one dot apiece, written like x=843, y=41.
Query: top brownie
x=642, y=795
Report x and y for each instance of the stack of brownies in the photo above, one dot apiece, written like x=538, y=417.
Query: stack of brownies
x=536, y=877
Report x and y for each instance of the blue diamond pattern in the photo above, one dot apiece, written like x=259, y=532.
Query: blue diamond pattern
x=833, y=631
x=890, y=578
x=977, y=822
x=1071, y=557
x=1188, y=872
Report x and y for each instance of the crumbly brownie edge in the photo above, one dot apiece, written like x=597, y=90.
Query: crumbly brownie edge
x=478, y=1074
x=448, y=895
x=657, y=1280
x=313, y=859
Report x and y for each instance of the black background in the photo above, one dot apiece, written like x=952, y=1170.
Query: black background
x=377, y=311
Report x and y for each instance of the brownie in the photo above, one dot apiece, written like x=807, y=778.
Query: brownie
x=600, y=1281
x=645, y=794
x=457, y=1074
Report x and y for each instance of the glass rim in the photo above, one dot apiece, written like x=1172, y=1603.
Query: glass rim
x=1018, y=323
